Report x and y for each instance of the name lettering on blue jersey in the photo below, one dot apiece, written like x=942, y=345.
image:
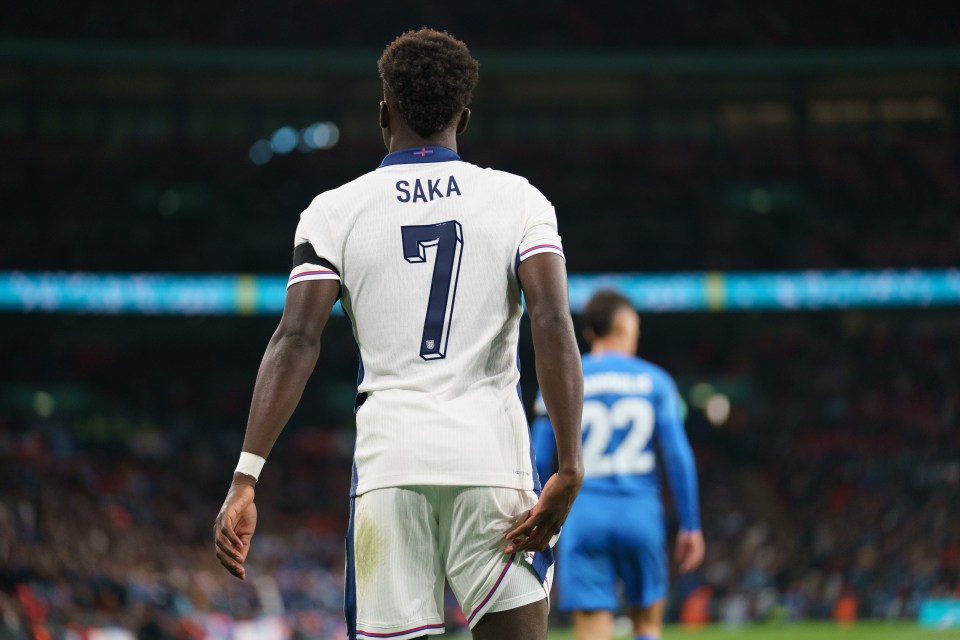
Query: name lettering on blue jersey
x=432, y=192
x=622, y=383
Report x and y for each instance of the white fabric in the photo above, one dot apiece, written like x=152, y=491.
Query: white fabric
x=250, y=464
x=408, y=539
x=456, y=419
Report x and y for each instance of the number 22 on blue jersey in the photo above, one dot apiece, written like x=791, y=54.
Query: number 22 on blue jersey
x=630, y=456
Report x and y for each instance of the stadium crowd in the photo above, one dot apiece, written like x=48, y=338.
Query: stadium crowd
x=829, y=490
x=798, y=203
x=831, y=480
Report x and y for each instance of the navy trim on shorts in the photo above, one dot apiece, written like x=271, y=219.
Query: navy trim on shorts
x=350, y=579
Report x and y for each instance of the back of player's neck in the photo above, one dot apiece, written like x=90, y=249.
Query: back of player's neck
x=401, y=142
x=602, y=349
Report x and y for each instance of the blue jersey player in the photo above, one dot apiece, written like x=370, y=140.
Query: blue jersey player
x=616, y=530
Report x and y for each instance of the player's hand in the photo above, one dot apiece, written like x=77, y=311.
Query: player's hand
x=235, y=525
x=689, y=550
x=540, y=523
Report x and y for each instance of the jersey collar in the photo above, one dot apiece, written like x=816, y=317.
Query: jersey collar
x=416, y=155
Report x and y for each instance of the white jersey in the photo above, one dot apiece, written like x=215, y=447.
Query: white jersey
x=426, y=248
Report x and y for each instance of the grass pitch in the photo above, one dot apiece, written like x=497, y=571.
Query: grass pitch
x=800, y=631
x=792, y=631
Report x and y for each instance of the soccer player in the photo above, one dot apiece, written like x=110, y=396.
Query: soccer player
x=616, y=528
x=429, y=256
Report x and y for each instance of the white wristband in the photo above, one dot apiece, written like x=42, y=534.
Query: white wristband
x=250, y=464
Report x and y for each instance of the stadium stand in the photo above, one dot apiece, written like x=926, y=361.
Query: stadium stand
x=663, y=25
x=804, y=202
x=832, y=477
x=697, y=135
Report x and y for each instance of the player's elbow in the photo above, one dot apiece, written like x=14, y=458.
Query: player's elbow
x=551, y=322
x=296, y=340
x=678, y=461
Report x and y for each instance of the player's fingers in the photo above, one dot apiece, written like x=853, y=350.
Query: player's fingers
x=523, y=528
x=244, y=548
x=689, y=555
x=539, y=541
x=520, y=542
x=229, y=564
x=229, y=550
x=226, y=530
x=689, y=563
x=520, y=538
x=537, y=538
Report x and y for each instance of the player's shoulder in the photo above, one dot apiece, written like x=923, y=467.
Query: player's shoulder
x=338, y=205
x=500, y=175
x=621, y=363
x=504, y=179
x=499, y=179
x=660, y=375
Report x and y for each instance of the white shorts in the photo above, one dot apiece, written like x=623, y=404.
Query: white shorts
x=403, y=542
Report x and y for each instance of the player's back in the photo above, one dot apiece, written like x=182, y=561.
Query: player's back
x=626, y=401
x=615, y=530
x=629, y=404
x=427, y=249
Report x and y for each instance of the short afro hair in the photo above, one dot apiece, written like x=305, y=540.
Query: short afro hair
x=428, y=77
x=598, y=315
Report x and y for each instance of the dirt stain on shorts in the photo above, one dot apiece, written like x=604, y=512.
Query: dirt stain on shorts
x=368, y=545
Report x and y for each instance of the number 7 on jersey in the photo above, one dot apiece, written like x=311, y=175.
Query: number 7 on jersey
x=447, y=237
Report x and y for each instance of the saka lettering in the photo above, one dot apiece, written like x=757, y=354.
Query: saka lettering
x=432, y=192
x=402, y=188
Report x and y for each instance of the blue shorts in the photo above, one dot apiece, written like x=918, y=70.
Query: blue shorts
x=611, y=538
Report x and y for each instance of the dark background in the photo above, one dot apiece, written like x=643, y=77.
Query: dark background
x=670, y=137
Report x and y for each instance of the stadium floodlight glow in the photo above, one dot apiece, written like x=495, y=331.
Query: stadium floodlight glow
x=717, y=409
x=261, y=152
x=332, y=136
x=44, y=404
x=305, y=140
x=700, y=393
x=320, y=135
x=283, y=140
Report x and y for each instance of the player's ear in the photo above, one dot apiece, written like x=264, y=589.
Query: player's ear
x=384, y=115
x=464, y=120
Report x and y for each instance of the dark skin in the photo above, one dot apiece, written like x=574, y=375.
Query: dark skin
x=287, y=364
x=292, y=354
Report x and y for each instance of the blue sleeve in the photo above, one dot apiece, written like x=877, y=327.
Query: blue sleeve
x=677, y=456
x=544, y=442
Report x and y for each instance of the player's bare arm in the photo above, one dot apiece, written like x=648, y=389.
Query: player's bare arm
x=287, y=363
x=543, y=279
